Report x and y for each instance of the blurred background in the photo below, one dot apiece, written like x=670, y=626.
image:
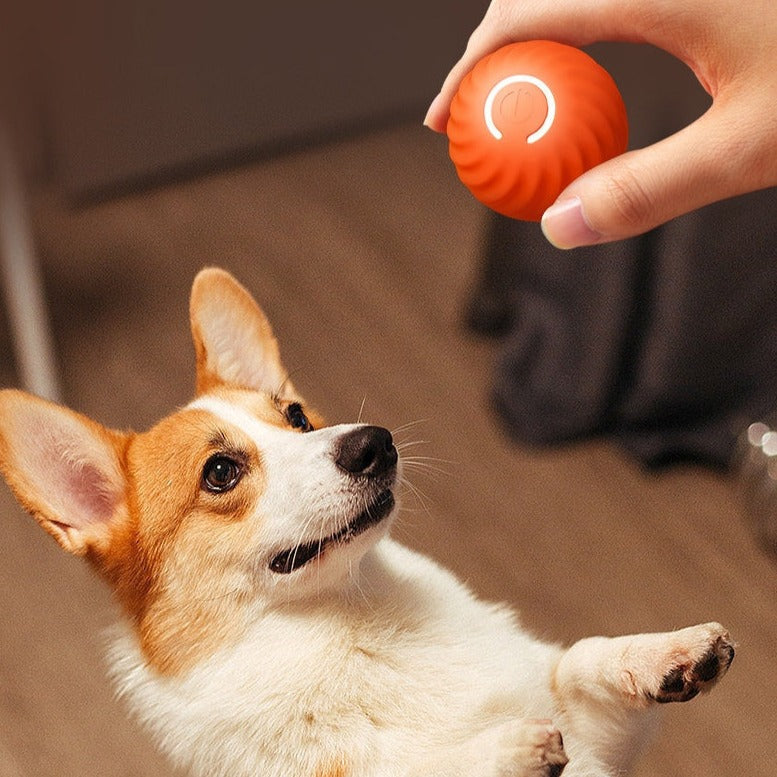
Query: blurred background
x=143, y=141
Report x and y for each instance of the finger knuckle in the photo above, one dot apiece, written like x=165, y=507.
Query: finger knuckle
x=630, y=198
x=501, y=13
x=499, y=18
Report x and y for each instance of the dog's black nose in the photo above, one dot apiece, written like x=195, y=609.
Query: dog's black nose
x=366, y=450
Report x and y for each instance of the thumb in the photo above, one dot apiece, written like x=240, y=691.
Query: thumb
x=639, y=190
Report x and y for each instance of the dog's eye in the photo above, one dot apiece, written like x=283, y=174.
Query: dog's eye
x=297, y=418
x=220, y=474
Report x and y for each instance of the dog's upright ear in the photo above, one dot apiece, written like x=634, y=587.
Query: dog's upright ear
x=64, y=469
x=233, y=341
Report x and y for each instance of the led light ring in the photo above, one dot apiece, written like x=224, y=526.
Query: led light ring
x=488, y=108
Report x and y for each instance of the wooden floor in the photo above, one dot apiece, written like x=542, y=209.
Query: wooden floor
x=363, y=253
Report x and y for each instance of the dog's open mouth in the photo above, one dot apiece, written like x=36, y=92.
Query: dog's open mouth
x=294, y=558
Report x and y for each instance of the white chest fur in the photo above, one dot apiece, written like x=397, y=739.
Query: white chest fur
x=408, y=659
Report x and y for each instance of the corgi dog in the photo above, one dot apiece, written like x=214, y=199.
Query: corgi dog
x=272, y=628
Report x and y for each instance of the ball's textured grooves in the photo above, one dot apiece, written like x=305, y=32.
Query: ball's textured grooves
x=521, y=179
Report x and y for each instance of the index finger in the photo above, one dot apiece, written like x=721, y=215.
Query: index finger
x=479, y=45
x=576, y=22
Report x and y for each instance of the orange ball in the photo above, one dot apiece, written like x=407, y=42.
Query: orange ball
x=529, y=119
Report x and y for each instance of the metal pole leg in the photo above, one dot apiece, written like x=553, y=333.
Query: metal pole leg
x=22, y=282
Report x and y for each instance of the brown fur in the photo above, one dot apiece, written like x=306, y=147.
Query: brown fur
x=176, y=592
x=337, y=768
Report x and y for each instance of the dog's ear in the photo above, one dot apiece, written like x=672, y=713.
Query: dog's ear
x=233, y=340
x=64, y=469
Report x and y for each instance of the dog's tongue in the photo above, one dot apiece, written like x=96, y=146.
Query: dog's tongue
x=286, y=562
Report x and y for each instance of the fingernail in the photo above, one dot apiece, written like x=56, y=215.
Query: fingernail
x=565, y=226
x=433, y=108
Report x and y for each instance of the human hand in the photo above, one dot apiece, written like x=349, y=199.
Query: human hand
x=732, y=149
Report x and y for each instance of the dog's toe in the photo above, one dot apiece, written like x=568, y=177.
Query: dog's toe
x=539, y=750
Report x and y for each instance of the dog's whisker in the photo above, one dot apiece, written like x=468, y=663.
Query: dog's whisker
x=432, y=475
x=298, y=544
x=431, y=460
x=405, y=444
x=420, y=495
x=426, y=468
x=407, y=426
x=286, y=380
x=417, y=493
x=301, y=541
x=321, y=538
x=420, y=456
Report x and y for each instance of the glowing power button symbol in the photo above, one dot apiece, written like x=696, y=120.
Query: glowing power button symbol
x=488, y=108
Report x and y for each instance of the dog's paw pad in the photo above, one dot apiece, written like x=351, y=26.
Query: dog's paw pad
x=695, y=673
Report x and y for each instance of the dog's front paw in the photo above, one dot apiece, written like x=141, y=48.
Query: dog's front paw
x=691, y=661
x=531, y=748
x=700, y=669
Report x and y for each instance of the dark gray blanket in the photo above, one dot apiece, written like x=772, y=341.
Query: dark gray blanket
x=667, y=342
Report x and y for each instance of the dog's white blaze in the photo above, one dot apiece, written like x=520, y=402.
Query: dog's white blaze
x=264, y=435
x=306, y=495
